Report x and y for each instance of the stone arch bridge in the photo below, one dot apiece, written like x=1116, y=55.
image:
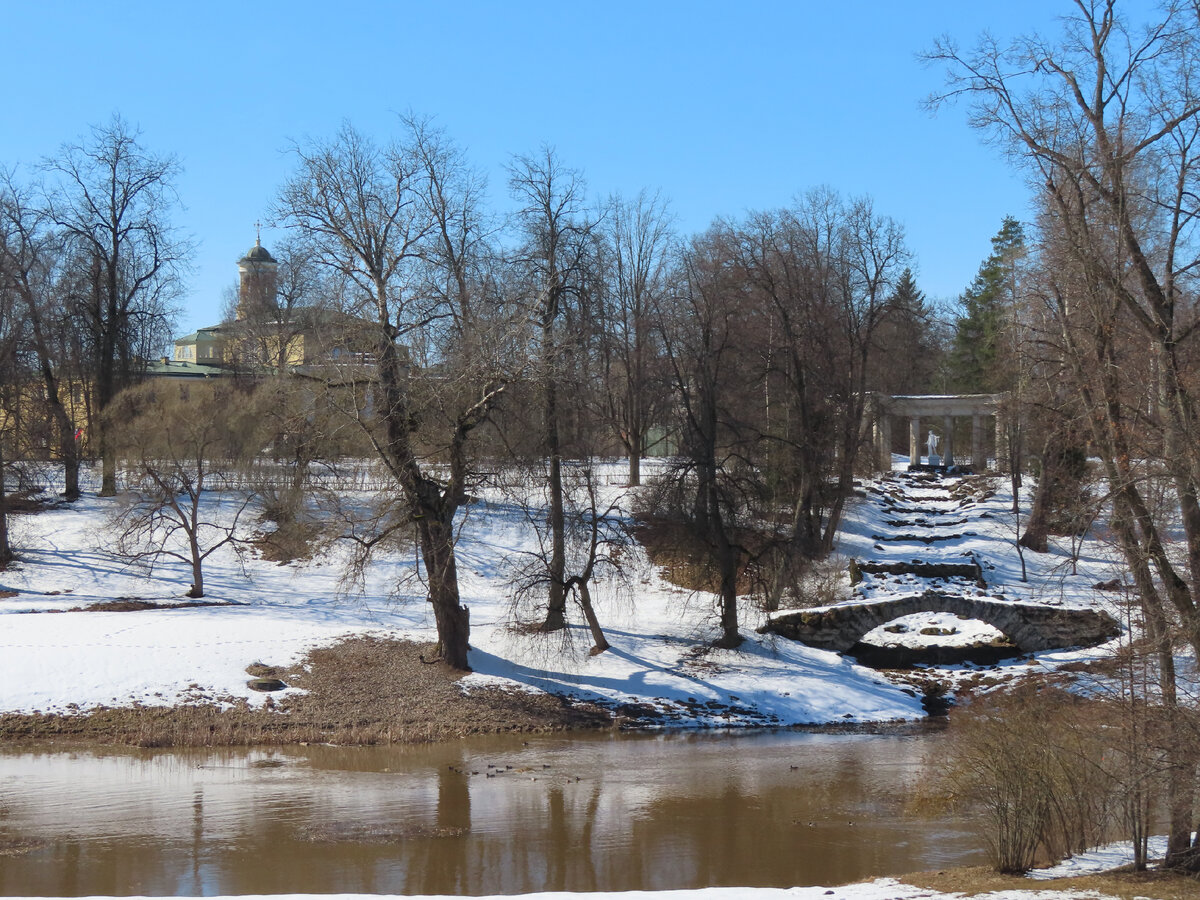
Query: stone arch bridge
x=1030, y=626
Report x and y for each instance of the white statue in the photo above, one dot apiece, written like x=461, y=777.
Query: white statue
x=932, y=443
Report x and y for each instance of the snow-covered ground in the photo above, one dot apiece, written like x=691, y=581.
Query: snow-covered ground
x=59, y=657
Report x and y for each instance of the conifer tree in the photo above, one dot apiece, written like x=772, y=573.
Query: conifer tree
x=908, y=350
x=975, y=352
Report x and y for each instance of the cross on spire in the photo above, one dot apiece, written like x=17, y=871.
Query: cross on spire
x=258, y=234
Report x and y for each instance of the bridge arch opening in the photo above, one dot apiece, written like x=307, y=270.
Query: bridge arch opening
x=932, y=638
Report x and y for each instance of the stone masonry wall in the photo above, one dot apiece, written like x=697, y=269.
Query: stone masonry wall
x=1030, y=626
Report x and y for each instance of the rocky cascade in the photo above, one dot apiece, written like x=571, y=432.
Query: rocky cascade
x=916, y=505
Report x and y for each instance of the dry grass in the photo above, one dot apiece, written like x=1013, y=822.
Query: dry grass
x=974, y=880
x=673, y=550
x=137, y=604
x=361, y=691
x=681, y=557
x=289, y=542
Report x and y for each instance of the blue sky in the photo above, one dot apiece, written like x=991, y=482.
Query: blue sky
x=723, y=107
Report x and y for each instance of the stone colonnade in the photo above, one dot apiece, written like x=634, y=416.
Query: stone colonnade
x=943, y=408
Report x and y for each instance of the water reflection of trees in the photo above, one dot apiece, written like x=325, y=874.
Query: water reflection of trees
x=440, y=864
x=645, y=815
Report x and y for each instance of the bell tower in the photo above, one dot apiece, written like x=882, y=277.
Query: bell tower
x=257, y=282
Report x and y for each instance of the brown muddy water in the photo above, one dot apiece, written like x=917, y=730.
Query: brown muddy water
x=484, y=816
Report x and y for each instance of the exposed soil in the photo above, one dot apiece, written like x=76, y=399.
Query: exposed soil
x=33, y=501
x=361, y=691
x=137, y=604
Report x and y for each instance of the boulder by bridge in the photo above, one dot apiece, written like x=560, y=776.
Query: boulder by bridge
x=1031, y=627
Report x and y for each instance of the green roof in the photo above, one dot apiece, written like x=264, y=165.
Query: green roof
x=175, y=368
x=257, y=254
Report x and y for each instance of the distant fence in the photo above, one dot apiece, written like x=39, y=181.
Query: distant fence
x=349, y=477
x=346, y=476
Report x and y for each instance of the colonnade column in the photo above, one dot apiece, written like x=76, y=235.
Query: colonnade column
x=978, y=457
x=1001, y=442
x=883, y=440
x=948, y=438
x=914, y=441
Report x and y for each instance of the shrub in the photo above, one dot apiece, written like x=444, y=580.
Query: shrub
x=1032, y=762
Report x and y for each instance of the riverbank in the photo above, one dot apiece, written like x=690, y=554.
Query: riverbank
x=358, y=692
x=983, y=882
x=964, y=884
x=97, y=650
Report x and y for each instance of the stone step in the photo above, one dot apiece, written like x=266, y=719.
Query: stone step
x=971, y=571
x=921, y=538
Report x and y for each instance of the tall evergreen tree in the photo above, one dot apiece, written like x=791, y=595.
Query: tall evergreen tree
x=908, y=353
x=975, y=353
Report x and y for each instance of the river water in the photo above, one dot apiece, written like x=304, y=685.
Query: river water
x=484, y=816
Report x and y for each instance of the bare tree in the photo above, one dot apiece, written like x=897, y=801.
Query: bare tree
x=554, y=263
x=36, y=267
x=10, y=339
x=1107, y=119
x=113, y=201
x=365, y=210
x=638, y=239
x=597, y=538
x=702, y=324
x=819, y=278
x=178, y=441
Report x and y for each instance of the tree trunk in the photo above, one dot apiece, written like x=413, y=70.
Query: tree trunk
x=1057, y=490
x=106, y=381
x=855, y=431
x=431, y=509
x=1037, y=526
x=70, y=455
x=452, y=618
x=730, y=636
x=556, y=609
x=1180, y=755
x=599, y=641
x=6, y=554
x=197, y=589
x=726, y=558
x=68, y=446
